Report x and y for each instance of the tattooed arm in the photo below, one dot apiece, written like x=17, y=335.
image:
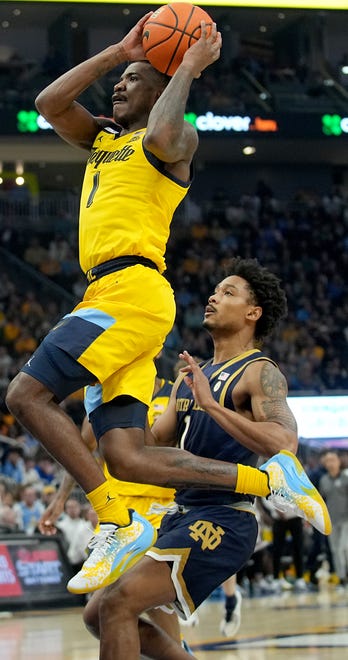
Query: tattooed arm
x=263, y=421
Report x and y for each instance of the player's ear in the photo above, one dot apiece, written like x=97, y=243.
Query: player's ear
x=254, y=313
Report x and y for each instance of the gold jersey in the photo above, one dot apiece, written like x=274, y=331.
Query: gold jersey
x=127, y=201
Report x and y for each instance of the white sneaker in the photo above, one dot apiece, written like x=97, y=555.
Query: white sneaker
x=279, y=585
x=285, y=585
x=300, y=585
x=230, y=628
x=114, y=549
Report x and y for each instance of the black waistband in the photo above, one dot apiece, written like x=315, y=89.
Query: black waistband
x=117, y=264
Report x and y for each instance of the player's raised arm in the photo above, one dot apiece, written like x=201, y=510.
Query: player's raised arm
x=57, y=102
x=168, y=136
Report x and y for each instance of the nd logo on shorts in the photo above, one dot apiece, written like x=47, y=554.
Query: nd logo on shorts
x=207, y=533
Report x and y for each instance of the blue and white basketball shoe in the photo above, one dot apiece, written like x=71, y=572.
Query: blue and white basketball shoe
x=114, y=549
x=292, y=491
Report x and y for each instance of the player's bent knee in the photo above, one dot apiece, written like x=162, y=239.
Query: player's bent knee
x=119, y=601
x=16, y=395
x=126, y=467
x=22, y=391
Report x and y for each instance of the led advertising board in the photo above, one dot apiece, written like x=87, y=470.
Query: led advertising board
x=321, y=417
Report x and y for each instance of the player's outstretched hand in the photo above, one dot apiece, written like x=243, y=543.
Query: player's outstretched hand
x=47, y=522
x=197, y=381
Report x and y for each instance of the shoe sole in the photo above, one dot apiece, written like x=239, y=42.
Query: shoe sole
x=130, y=558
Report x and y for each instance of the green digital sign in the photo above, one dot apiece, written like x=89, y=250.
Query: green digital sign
x=29, y=121
x=334, y=124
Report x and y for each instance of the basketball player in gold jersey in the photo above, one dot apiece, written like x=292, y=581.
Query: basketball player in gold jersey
x=137, y=172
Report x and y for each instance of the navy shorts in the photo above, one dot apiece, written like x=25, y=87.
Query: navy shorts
x=57, y=370
x=204, y=547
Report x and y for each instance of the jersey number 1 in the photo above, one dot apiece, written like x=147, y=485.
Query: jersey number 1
x=96, y=178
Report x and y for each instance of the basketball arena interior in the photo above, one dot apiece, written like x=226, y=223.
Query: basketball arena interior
x=270, y=181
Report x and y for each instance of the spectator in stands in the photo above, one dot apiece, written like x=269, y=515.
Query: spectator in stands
x=76, y=532
x=13, y=465
x=47, y=494
x=31, y=476
x=47, y=469
x=35, y=253
x=334, y=488
x=30, y=508
x=25, y=343
x=10, y=516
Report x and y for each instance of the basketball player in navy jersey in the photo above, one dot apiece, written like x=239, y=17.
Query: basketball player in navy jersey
x=232, y=408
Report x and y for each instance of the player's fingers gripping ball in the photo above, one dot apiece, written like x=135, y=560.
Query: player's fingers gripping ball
x=170, y=31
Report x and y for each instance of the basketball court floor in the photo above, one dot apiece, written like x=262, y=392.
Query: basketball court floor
x=311, y=626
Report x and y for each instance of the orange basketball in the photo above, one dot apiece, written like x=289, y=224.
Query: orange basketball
x=170, y=31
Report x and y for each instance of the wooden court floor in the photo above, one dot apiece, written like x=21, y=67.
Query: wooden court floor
x=303, y=627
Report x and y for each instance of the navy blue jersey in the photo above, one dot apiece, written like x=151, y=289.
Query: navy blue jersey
x=201, y=435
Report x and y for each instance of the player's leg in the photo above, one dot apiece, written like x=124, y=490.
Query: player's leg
x=167, y=622
x=33, y=397
x=183, y=572
x=157, y=645
x=50, y=376
x=146, y=585
x=230, y=624
x=154, y=637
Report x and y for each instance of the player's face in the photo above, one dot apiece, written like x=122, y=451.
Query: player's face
x=134, y=96
x=230, y=306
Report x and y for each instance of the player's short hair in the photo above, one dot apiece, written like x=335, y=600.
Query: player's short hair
x=161, y=79
x=265, y=291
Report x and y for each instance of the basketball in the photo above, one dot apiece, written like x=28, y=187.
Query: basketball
x=170, y=31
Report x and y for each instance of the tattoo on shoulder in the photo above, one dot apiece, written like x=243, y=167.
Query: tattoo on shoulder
x=273, y=382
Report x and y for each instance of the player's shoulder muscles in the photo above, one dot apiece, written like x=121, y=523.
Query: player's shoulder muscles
x=271, y=380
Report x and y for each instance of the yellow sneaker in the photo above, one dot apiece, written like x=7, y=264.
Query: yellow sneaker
x=292, y=491
x=114, y=550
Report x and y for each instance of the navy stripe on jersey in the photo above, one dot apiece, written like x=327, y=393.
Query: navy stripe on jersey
x=77, y=331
